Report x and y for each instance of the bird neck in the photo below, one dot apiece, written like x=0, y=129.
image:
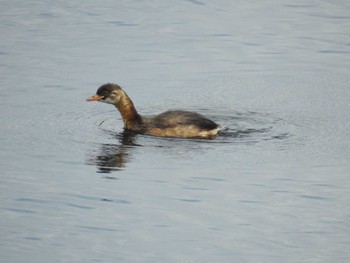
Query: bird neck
x=128, y=112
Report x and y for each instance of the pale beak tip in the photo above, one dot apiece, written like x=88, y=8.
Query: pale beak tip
x=94, y=98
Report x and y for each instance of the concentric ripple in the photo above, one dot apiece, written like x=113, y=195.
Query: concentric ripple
x=113, y=148
x=236, y=127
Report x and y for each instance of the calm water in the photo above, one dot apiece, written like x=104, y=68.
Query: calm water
x=274, y=187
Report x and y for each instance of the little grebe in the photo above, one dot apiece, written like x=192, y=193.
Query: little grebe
x=174, y=123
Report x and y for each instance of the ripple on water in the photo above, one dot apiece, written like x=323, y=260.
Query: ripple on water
x=250, y=127
x=113, y=151
x=236, y=126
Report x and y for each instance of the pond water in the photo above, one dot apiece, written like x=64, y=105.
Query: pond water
x=273, y=187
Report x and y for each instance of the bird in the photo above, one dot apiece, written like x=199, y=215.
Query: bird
x=172, y=123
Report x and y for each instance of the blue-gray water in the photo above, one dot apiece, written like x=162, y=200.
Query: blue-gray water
x=274, y=187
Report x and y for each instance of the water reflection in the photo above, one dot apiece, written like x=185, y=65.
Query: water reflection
x=113, y=157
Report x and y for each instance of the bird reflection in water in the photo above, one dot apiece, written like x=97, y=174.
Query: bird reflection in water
x=113, y=157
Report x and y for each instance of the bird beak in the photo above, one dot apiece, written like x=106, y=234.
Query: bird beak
x=95, y=98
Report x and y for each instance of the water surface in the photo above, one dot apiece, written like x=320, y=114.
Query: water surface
x=273, y=187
